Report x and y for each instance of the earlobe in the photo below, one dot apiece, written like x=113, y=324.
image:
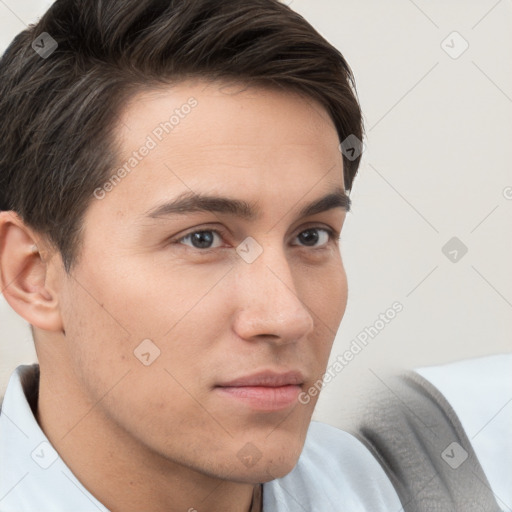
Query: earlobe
x=23, y=274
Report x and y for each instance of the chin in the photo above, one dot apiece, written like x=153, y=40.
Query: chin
x=275, y=462
x=262, y=474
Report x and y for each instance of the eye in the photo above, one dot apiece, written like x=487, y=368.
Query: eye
x=316, y=237
x=205, y=239
x=201, y=239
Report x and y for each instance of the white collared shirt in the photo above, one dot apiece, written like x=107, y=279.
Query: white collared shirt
x=334, y=472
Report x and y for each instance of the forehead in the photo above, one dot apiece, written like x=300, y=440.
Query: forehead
x=249, y=142
x=234, y=116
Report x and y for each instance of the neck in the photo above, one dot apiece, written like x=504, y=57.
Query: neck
x=121, y=473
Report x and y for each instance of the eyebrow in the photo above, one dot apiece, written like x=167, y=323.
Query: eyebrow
x=191, y=202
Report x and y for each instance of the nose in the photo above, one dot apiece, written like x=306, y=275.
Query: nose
x=269, y=306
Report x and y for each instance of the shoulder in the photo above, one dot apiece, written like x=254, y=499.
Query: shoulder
x=334, y=468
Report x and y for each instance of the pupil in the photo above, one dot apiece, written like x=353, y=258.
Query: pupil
x=309, y=237
x=202, y=239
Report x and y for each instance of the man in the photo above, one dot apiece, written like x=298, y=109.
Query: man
x=173, y=192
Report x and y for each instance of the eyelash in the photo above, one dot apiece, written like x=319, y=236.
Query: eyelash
x=333, y=237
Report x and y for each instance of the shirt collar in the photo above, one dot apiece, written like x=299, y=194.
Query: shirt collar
x=32, y=475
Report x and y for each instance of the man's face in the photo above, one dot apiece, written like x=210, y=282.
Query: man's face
x=218, y=307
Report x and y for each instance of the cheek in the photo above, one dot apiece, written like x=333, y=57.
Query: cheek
x=96, y=341
x=331, y=302
x=151, y=299
x=340, y=291
x=324, y=290
x=107, y=324
x=112, y=311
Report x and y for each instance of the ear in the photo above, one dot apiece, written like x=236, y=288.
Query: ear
x=23, y=274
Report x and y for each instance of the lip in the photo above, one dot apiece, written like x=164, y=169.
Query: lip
x=268, y=379
x=265, y=391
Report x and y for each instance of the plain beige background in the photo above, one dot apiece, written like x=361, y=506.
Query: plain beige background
x=435, y=84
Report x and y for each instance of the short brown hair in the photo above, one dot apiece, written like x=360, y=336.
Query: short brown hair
x=58, y=113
